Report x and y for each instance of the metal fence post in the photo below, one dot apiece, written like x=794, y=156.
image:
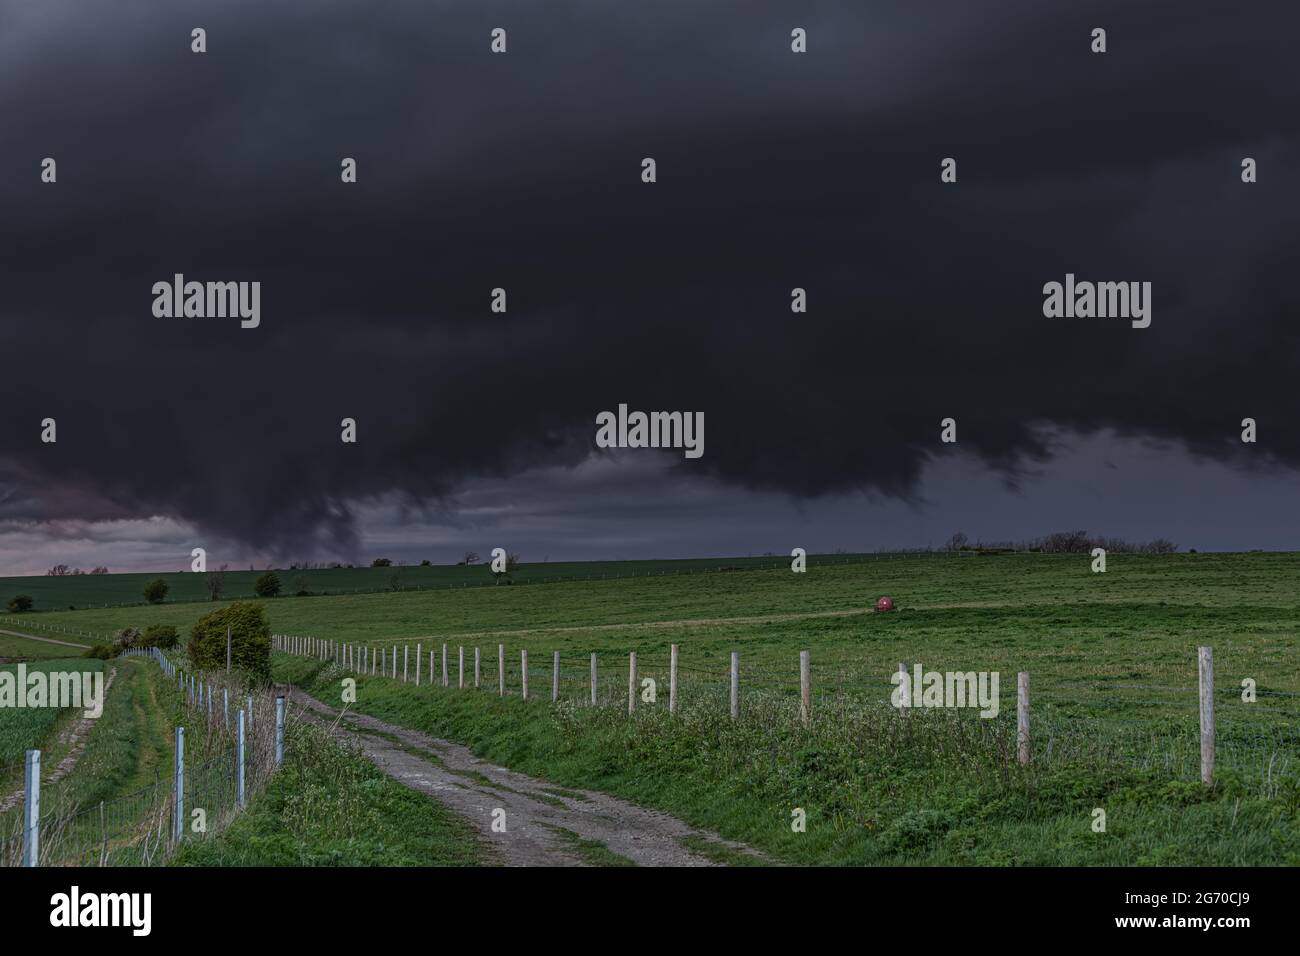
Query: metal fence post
x=32, y=809
x=241, y=758
x=279, y=731
x=180, y=784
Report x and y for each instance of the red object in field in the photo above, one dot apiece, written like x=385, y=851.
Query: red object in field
x=885, y=604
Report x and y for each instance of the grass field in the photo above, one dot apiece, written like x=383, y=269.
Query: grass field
x=126, y=758
x=1112, y=659
x=25, y=728
x=89, y=590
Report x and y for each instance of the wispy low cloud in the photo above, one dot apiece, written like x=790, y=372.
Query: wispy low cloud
x=628, y=505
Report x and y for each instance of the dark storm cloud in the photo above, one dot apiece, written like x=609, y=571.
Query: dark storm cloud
x=522, y=171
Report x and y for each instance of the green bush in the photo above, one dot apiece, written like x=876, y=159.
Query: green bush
x=22, y=602
x=162, y=636
x=126, y=637
x=250, y=639
x=268, y=585
x=155, y=592
x=101, y=652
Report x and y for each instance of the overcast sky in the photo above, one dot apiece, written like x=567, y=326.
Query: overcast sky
x=523, y=171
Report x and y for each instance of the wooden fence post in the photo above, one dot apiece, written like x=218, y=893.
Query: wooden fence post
x=735, y=685
x=593, y=680
x=555, y=679
x=1022, y=716
x=460, y=667
x=672, y=680
x=631, y=682
x=418, y=649
x=476, y=668
x=501, y=669
x=1205, y=657
x=524, y=666
x=445, y=682
x=805, y=689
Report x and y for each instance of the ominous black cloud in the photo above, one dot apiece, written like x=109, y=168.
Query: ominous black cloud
x=522, y=171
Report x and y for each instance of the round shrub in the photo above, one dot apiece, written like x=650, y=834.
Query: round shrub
x=162, y=636
x=268, y=585
x=250, y=639
x=22, y=602
x=155, y=592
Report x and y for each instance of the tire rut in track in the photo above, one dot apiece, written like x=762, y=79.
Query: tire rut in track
x=74, y=737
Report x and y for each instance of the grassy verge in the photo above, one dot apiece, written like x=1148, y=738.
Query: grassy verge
x=877, y=789
x=130, y=745
x=328, y=806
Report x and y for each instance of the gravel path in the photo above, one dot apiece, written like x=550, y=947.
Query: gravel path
x=46, y=640
x=536, y=813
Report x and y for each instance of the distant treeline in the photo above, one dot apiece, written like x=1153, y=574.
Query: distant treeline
x=1064, y=542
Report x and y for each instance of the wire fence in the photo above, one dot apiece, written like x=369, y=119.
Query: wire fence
x=1143, y=725
x=230, y=754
